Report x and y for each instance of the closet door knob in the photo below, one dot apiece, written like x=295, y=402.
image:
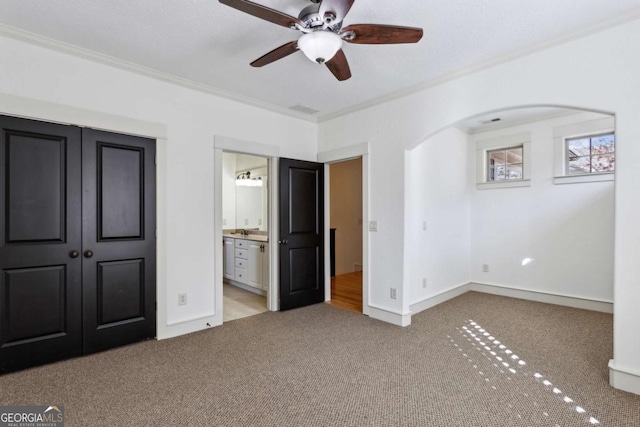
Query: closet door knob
x=74, y=254
x=88, y=254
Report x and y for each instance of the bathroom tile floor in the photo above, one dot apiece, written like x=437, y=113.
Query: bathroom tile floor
x=238, y=303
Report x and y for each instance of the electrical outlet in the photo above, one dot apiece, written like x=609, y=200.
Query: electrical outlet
x=224, y=221
x=424, y=225
x=246, y=222
x=393, y=293
x=259, y=221
x=182, y=299
x=485, y=268
x=424, y=282
x=373, y=225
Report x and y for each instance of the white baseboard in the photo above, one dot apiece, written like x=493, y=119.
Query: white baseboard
x=623, y=378
x=565, y=300
x=443, y=296
x=388, y=316
x=549, y=298
x=187, y=326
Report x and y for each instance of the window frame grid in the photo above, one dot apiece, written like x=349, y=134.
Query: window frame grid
x=489, y=177
x=591, y=136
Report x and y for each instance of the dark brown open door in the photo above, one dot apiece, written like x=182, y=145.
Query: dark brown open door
x=40, y=243
x=119, y=245
x=301, y=233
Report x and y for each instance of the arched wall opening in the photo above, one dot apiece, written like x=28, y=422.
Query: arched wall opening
x=546, y=234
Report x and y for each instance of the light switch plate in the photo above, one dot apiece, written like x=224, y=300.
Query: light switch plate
x=373, y=225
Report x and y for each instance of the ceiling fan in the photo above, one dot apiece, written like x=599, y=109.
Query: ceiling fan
x=321, y=25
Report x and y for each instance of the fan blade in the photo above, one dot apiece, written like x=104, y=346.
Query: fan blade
x=263, y=12
x=339, y=66
x=337, y=7
x=382, y=34
x=275, y=54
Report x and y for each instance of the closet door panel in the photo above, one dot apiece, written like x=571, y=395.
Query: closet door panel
x=119, y=277
x=35, y=187
x=40, y=241
x=121, y=192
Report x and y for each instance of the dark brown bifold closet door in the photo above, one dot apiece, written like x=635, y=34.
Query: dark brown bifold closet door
x=119, y=245
x=40, y=243
x=77, y=241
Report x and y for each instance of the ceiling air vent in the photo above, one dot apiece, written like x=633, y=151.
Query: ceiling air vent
x=486, y=122
x=303, y=109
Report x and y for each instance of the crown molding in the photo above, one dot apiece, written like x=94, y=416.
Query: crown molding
x=46, y=42
x=576, y=35
x=67, y=48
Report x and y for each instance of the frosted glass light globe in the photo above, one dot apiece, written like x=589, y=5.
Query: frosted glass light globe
x=320, y=46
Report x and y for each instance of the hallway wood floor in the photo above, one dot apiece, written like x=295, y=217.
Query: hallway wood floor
x=346, y=291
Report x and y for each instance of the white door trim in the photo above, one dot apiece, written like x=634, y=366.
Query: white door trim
x=34, y=109
x=334, y=156
x=223, y=143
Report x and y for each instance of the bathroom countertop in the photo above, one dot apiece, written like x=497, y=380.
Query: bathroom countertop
x=254, y=237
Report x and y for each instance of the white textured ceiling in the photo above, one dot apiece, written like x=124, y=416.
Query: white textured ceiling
x=212, y=44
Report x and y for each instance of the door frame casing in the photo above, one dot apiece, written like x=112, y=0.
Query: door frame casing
x=33, y=109
x=271, y=152
x=335, y=156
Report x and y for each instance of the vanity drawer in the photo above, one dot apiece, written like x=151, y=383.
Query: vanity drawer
x=243, y=244
x=241, y=275
x=241, y=253
x=241, y=263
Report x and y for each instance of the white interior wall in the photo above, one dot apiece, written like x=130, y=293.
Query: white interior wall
x=100, y=93
x=562, y=75
x=246, y=162
x=566, y=229
x=438, y=193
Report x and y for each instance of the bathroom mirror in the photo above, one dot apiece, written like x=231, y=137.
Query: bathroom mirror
x=245, y=203
x=251, y=199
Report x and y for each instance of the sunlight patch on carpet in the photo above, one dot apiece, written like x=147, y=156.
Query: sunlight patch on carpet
x=495, y=363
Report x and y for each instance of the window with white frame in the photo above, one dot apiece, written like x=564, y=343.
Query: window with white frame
x=584, y=151
x=503, y=161
x=505, y=164
x=591, y=154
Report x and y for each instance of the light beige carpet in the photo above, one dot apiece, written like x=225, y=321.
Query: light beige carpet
x=322, y=366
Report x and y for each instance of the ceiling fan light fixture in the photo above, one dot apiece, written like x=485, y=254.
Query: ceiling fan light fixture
x=320, y=46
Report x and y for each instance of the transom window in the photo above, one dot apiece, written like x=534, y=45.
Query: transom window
x=504, y=164
x=591, y=154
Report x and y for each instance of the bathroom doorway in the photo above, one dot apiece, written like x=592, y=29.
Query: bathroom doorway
x=245, y=235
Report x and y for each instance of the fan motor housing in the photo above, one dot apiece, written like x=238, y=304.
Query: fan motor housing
x=311, y=18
